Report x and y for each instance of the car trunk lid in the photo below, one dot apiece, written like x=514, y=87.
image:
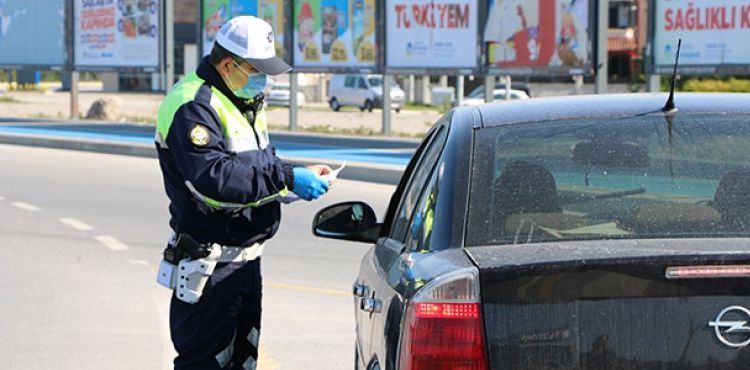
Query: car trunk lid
x=609, y=305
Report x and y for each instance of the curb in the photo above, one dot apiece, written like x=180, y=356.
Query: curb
x=379, y=173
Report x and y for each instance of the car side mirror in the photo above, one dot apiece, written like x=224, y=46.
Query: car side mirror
x=354, y=221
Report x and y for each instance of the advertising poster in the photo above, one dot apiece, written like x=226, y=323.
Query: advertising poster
x=40, y=23
x=117, y=33
x=338, y=33
x=432, y=34
x=218, y=12
x=713, y=32
x=538, y=33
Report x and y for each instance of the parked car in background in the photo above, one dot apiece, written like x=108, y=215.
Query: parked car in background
x=478, y=98
x=501, y=86
x=586, y=232
x=280, y=95
x=362, y=91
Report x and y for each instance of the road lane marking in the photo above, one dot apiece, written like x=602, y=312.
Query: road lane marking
x=26, y=206
x=111, y=243
x=78, y=225
x=308, y=289
x=2, y=199
x=139, y=262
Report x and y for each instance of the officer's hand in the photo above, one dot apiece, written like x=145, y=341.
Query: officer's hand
x=308, y=185
x=320, y=169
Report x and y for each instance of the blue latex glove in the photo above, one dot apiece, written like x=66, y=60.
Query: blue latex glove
x=308, y=185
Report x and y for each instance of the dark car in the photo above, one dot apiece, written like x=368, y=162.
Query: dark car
x=568, y=233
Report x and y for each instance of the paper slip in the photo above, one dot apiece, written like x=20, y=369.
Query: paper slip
x=331, y=177
x=334, y=174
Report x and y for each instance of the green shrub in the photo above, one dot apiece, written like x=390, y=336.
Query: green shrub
x=731, y=84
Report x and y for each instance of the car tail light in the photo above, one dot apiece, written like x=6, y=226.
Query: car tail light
x=712, y=271
x=444, y=328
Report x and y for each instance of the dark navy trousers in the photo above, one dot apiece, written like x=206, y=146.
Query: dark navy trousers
x=221, y=331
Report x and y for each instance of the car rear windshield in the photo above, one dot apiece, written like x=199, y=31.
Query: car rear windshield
x=618, y=178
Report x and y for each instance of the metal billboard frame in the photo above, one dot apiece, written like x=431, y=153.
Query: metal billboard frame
x=49, y=67
x=700, y=70
x=430, y=71
x=159, y=68
x=586, y=70
x=375, y=69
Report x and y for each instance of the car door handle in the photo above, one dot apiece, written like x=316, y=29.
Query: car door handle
x=359, y=290
x=371, y=305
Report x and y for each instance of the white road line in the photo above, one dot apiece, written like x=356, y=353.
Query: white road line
x=2, y=198
x=78, y=225
x=111, y=243
x=26, y=206
x=139, y=262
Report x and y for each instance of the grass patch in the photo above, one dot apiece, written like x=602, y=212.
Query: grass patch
x=419, y=107
x=8, y=99
x=48, y=116
x=358, y=131
x=29, y=87
x=142, y=120
x=731, y=84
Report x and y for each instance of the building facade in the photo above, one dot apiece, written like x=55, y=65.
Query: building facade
x=628, y=35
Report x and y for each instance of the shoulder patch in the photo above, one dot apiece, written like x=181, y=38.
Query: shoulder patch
x=199, y=135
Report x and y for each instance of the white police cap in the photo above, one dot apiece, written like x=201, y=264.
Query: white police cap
x=251, y=38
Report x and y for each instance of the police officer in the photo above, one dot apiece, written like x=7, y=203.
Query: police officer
x=224, y=182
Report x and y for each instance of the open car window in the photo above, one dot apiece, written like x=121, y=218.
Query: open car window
x=638, y=177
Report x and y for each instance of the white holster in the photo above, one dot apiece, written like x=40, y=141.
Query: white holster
x=189, y=277
x=192, y=276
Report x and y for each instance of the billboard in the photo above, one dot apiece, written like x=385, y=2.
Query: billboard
x=714, y=36
x=334, y=34
x=432, y=34
x=116, y=33
x=40, y=23
x=214, y=13
x=539, y=35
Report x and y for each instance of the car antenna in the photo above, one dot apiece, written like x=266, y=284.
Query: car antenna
x=669, y=107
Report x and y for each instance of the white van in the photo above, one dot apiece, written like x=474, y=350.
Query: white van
x=362, y=91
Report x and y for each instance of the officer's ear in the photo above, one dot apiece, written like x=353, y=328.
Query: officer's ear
x=224, y=66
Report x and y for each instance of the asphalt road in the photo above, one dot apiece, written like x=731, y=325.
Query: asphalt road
x=81, y=237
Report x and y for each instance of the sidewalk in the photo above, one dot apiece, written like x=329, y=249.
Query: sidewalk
x=142, y=107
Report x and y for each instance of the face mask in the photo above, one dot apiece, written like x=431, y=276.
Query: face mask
x=256, y=83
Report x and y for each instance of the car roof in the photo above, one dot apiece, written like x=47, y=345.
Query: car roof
x=608, y=105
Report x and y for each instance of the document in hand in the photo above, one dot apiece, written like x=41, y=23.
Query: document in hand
x=331, y=177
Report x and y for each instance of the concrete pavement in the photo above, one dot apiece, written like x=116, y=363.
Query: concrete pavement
x=82, y=234
x=142, y=107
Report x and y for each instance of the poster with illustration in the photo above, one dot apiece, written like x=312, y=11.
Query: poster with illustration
x=538, y=33
x=40, y=23
x=435, y=34
x=217, y=12
x=339, y=33
x=122, y=33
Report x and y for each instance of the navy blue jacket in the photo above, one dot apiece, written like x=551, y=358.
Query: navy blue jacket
x=220, y=174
